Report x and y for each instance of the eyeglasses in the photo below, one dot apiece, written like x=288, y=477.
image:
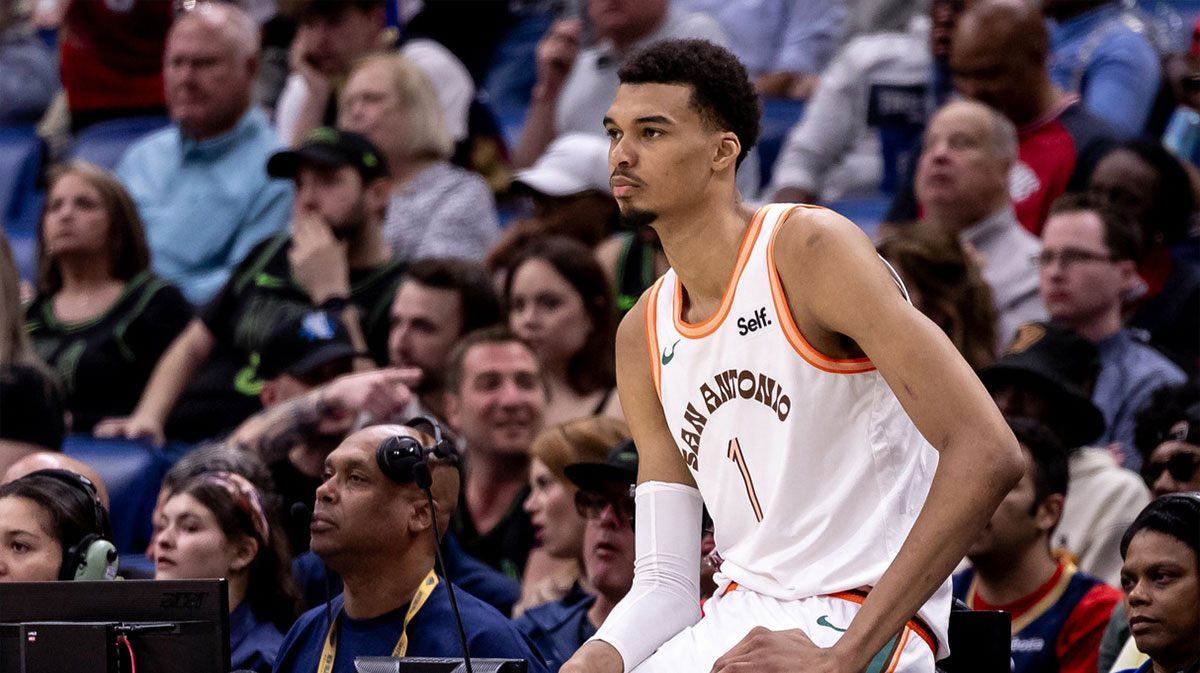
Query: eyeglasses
x=1181, y=467
x=1069, y=257
x=591, y=504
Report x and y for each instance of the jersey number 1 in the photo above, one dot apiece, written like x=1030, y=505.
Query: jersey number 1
x=735, y=454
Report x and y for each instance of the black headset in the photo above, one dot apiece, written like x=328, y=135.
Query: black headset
x=92, y=557
x=399, y=456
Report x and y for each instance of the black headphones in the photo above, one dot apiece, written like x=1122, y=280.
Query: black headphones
x=399, y=456
x=92, y=557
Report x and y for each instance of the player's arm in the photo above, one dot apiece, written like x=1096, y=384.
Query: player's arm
x=847, y=291
x=664, y=598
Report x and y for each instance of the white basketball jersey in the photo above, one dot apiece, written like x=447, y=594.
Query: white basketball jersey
x=810, y=468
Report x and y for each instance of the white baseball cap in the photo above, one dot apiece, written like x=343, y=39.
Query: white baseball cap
x=573, y=163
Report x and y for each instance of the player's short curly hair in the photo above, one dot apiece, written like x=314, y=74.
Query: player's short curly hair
x=721, y=89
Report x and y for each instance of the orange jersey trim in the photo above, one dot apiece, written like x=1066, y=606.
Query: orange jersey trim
x=799, y=344
x=705, y=328
x=916, y=624
x=652, y=336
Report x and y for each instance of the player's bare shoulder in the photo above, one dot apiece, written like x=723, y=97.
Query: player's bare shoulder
x=811, y=233
x=631, y=335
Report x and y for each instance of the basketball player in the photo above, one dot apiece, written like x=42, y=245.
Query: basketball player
x=779, y=375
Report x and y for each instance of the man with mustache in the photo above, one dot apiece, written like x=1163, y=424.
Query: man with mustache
x=778, y=376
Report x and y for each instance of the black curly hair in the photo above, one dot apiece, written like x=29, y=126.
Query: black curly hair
x=721, y=89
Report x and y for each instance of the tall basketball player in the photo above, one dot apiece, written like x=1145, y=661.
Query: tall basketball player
x=779, y=375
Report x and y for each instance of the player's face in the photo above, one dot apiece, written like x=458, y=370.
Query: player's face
x=333, y=194
x=190, y=543
x=425, y=323
x=1078, y=280
x=1162, y=598
x=76, y=220
x=502, y=401
x=547, y=312
x=29, y=552
x=660, y=154
x=557, y=527
x=1016, y=524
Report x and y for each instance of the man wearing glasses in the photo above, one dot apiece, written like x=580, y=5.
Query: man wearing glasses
x=605, y=501
x=1087, y=272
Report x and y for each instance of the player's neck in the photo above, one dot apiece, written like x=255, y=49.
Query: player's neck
x=702, y=246
x=371, y=589
x=1006, y=580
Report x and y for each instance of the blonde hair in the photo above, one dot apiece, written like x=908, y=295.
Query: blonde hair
x=582, y=440
x=426, y=135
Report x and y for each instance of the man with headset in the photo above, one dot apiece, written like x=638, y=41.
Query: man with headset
x=375, y=526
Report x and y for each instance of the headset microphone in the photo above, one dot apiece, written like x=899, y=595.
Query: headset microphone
x=404, y=459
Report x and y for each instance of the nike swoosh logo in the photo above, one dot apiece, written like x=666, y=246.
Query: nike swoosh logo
x=823, y=620
x=668, y=356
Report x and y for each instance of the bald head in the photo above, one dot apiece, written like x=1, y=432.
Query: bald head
x=209, y=68
x=998, y=57
x=229, y=23
x=962, y=173
x=51, y=460
x=445, y=474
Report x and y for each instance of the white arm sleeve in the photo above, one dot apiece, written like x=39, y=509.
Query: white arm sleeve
x=665, y=596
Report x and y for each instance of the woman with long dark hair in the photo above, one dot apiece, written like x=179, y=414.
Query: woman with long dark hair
x=559, y=301
x=218, y=524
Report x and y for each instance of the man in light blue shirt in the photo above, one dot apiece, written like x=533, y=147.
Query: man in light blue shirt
x=1095, y=53
x=200, y=184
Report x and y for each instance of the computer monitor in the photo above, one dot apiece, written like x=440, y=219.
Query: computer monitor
x=181, y=626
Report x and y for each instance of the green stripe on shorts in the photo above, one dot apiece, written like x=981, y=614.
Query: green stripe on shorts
x=880, y=662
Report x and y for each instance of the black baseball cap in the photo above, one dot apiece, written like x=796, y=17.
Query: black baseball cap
x=620, y=467
x=1060, y=363
x=303, y=343
x=327, y=146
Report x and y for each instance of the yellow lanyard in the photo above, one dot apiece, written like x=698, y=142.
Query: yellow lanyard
x=329, y=652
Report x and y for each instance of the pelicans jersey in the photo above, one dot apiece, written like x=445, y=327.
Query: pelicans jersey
x=810, y=468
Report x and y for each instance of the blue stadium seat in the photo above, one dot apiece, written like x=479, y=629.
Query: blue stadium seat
x=867, y=212
x=21, y=155
x=132, y=472
x=104, y=143
x=779, y=116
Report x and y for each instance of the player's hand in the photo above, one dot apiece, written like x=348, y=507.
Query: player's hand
x=318, y=259
x=596, y=656
x=377, y=395
x=131, y=427
x=555, y=55
x=766, y=651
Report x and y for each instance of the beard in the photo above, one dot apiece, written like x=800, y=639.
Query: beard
x=632, y=218
x=352, y=223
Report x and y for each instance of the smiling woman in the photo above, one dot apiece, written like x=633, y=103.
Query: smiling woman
x=219, y=525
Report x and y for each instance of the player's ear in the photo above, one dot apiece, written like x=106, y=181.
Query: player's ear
x=727, y=151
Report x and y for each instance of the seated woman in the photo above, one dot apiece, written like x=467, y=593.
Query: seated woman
x=32, y=417
x=559, y=301
x=218, y=525
x=1161, y=580
x=101, y=318
x=945, y=284
x=437, y=209
x=558, y=528
x=53, y=527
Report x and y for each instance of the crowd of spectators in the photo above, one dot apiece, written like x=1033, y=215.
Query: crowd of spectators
x=354, y=226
